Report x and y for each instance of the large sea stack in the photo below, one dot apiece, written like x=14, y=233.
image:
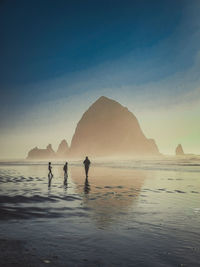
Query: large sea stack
x=109, y=129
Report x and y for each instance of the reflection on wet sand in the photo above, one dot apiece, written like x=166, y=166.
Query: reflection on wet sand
x=113, y=213
x=104, y=196
x=86, y=186
x=108, y=192
x=65, y=180
x=50, y=176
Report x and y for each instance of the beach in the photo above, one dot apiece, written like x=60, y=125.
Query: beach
x=133, y=213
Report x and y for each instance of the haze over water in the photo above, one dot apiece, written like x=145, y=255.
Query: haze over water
x=142, y=213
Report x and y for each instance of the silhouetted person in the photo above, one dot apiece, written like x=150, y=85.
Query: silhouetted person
x=86, y=186
x=86, y=162
x=50, y=174
x=65, y=168
x=50, y=169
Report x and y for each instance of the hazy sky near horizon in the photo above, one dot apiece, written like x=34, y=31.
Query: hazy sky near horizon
x=58, y=57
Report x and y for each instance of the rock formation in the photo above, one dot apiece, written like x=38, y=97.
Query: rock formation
x=63, y=150
x=179, y=150
x=109, y=129
x=105, y=129
x=37, y=153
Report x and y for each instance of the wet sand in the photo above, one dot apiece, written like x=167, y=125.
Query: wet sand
x=118, y=217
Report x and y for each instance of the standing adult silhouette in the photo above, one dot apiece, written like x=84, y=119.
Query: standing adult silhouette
x=86, y=162
x=65, y=169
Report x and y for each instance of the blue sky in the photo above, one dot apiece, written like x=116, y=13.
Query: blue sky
x=57, y=57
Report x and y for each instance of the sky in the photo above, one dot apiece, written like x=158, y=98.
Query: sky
x=58, y=57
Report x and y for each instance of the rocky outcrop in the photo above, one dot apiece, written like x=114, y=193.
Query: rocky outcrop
x=109, y=129
x=106, y=129
x=63, y=150
x=37, y=153
x=179, y=150
x=48, y=153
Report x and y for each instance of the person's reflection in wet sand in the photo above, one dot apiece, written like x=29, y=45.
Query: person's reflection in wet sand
x=112, y=191
x=65, y=180
x=86, y=186
x=50, y=176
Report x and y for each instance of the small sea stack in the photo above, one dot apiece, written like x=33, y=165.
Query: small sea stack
x=179, y=150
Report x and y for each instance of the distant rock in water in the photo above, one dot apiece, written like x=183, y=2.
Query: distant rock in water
x=63, y=149
x=37, y=153
x=179, y=150
x=109, y=129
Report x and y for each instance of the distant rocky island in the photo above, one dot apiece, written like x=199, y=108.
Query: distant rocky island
x=179, y=150
x=49, y=153
x=106, y=129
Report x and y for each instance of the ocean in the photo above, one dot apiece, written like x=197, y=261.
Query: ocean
x=127, y=213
